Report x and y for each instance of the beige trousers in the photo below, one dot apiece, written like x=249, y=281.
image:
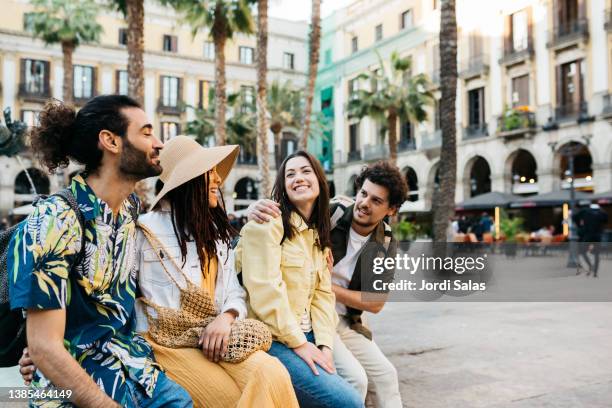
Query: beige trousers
x=259, y=381
x=360, y=362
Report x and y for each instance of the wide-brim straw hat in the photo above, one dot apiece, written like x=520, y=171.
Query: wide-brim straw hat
x=184, y=159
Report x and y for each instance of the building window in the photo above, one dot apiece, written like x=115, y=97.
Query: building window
x=353, y=87
x=35, y=76
x=248, y=93
x=84, y=82
x=353, y=137
x=30, y=117
x=28, y=21
x=328, y=57
x=207, y=93
x=169, y=130
x=170, y=91
x=406, y=20
x=519, y=30
x=246, y=55
x=570, y=87
x=209, y=50
x=288, y=61
x=476, y=112
x=123, y=36
x=170, y=43
x=379, y=32
x=520, y=91
x=121, y=78
x=355, y=44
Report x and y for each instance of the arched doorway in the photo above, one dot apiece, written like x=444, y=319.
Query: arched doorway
x=413, y=184
x=245, y=193
x=583, y=166
x=523, y=174
x=479, y=176
x=433, y=184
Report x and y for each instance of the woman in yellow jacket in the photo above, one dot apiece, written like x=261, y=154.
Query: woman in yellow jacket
x=288, y=283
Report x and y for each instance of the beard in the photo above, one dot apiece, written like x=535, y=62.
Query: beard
x=135, y=164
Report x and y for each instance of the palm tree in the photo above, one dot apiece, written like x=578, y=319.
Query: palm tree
x=223, y=18
x=392, y=96
x=262, y=91
x=315, y=41
x=241, y=126
x=68, y=23
x=444, y=197
x=284, y=108
x=133, y=10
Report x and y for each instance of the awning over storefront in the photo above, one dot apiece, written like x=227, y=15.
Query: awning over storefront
x=487, y=201
x=552, y=199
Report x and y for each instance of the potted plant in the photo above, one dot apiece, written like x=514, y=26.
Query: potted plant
x=510, y=228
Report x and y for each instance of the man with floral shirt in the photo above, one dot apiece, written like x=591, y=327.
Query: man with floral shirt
x=80, y=311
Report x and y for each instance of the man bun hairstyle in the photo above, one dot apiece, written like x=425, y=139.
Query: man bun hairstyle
x=63, y=134
x=389, y=176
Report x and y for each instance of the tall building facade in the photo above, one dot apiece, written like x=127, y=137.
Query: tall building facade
x=534, y=78
x=179, y=72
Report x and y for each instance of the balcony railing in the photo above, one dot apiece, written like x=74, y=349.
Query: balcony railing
x=474, y=66
x=566, y=33
x=516, y=123
x=33, y=92
x=571, y=111
x=247, y=159
x=475, y=131
x=431, y=140
x=170, y=109
x=354, y=155
x=608, y=23
x=406, y=145
x=514, y=56
x=375, y=152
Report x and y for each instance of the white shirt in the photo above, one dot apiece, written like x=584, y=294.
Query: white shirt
x=343, y=270
x=157, y=286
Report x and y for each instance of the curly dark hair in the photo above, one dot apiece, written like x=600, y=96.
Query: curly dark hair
x=64, y=134
x=389, y=176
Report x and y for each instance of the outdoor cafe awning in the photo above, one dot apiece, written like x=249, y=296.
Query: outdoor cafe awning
x=552, y=199
x=603, y=198
x=487, y=201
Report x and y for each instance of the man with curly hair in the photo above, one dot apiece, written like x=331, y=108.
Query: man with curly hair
x=359, y=234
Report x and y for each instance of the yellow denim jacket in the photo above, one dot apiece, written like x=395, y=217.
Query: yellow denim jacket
x=283, y=281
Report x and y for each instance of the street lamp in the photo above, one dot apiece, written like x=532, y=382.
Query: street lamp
x=570, y=150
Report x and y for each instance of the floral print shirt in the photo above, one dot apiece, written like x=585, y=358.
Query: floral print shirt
x=98, y=294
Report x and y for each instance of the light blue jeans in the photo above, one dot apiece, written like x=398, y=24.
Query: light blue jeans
x=167, y=394
x=322, y=391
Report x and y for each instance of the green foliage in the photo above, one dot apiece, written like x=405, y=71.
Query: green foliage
x=394, y=90
x=224, y=17
x=406, y=231
x=516, y=118
x=64, y=21
x=510, y=227
x=241, y=125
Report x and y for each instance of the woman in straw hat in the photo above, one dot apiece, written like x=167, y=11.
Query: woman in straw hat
x=186, y=268
x=285, y=272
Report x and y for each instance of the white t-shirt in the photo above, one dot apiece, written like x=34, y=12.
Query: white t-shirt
x=343, y=270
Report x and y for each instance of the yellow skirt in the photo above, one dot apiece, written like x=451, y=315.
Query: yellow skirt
x=259, y=381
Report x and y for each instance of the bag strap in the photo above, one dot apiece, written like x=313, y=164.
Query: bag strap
x=156, y=244
x=67, y=195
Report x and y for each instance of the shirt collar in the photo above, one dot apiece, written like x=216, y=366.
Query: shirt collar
x=90, y=205
x=298, y=222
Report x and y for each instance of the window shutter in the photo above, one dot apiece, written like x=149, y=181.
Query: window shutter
x=174, y=43
x=179, y=97
x=47, y=66
x=559, y=86
x=530, y=27
x=22, y=76
x=508, y=34
x=94, y=81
